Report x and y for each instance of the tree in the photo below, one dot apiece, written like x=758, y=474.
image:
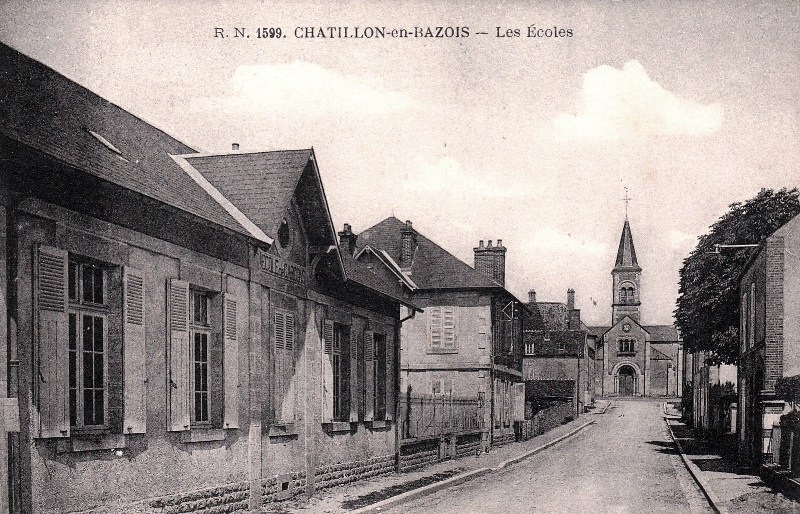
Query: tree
x=707, y=312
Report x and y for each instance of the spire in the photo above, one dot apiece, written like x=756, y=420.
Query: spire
x=626, y=255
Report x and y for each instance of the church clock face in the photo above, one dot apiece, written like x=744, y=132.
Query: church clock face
x=626, y=327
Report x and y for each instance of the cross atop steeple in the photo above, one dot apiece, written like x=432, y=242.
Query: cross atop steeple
x=626, y=200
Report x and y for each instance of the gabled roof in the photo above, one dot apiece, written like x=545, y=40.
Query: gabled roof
x=433, y=267
x=663, y=333
x=626, y=254
x=390, y=264
x=598, y=331
x=554, y=315
x=360, y=273
x=54, y=115
x=260, y=184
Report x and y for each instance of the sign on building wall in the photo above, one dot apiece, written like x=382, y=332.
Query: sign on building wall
x=282, y=268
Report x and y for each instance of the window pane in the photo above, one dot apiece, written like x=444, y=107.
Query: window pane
x=98, y=334
x=99, y=416
x=73, y=281
x=88, y=333
x=98, y=370
x=88, y=407
x=88, y=283
x=98, y=285
x=88, y=371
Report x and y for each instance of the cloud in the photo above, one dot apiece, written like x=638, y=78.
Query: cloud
x=679, y=240
x=448, y=176
x=305, y=89
x=618, y=104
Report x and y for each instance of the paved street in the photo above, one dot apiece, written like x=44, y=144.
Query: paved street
x=624, y=463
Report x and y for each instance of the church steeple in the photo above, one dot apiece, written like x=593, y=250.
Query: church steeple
x=626, y=255
x=627, y=278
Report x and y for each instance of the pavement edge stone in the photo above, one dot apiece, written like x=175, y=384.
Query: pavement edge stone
x=697, y=474
x=464, y=477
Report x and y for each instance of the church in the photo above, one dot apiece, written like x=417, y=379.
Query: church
x=637, y=359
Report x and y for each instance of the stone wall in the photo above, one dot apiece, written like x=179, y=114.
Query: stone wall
x=347, y=472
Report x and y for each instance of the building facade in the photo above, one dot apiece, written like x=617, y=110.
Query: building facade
x=468, y=342
x=637, y=359
x=205, y=344
x=769, y=335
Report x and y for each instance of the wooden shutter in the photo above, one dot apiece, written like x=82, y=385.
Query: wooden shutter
x=230, y=360
x=369, y=375
x=178, y=376
x=390, y=376
x=354, y=372
x=448, y=328
x=53, y=342
x=435, y=327
x=327, y=371
x=284, y=336
x=135, y=374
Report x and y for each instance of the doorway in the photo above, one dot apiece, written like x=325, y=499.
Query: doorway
x=627, y=381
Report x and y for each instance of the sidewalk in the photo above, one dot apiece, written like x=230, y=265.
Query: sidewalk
x=349, y=498
x=728, y=487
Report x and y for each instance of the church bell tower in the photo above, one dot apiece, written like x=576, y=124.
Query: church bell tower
x=627, y=279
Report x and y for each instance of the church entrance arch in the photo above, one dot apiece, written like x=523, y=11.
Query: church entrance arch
x=627, y=381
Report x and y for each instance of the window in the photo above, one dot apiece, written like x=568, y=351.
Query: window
x=199, y=335
x=753, y=313
x=627, y=295
x=283, y=334
x=379, y=388
x=626, y=346
x=87, y=345
x=442, y=330
x=743, y=315
x=529, y=346
x=341, y=373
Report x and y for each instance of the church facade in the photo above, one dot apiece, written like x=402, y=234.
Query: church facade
x=637, y=359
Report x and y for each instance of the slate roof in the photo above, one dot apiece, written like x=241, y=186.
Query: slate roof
x=561, y=343
x=433, y=267
x=665, y=333
x=554, y=315
x=626, y=254
x=597, y=331
x=361, y=274
x=48, y=112
x=259, y=184
x=658, y=355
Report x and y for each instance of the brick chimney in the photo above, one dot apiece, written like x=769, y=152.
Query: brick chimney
x=573, y=314
x=491, y=261
x=531, y=296
x=408, y=239
x=347, y=240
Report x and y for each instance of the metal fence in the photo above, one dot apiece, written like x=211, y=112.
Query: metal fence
x=424, y=417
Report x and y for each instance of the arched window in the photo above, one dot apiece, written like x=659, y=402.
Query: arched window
x=626, y=345
x=627, y=294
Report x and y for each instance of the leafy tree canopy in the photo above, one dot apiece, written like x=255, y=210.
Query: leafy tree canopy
x=707, y=312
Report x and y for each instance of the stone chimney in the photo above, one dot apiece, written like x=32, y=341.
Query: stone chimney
x=531, y=296
x=570, y=299
x=235, y=147
x=347, y=240
x=491, y=261
x=408, y=244
x=573, y=314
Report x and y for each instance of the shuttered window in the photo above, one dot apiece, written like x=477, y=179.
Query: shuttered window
x=135, y=374
x=442, y=329
x=380, y=375
x=336, y=372
x=283, y=336
x=200, y=357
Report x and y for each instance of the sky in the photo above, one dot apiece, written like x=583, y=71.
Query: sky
x=690, y=105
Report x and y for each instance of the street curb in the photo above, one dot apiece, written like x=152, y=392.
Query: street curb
x=715, y=502
x=536, y=450
x=423, y=491
x=460, y=479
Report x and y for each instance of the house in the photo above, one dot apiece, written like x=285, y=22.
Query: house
x=557, y=348
x=769, y=337
x=637, y=359
x=182, y=322
x=467, y=345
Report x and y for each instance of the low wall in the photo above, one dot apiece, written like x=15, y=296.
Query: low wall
x=347, y=472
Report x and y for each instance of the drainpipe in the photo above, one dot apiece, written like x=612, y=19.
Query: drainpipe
x=396, y=380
